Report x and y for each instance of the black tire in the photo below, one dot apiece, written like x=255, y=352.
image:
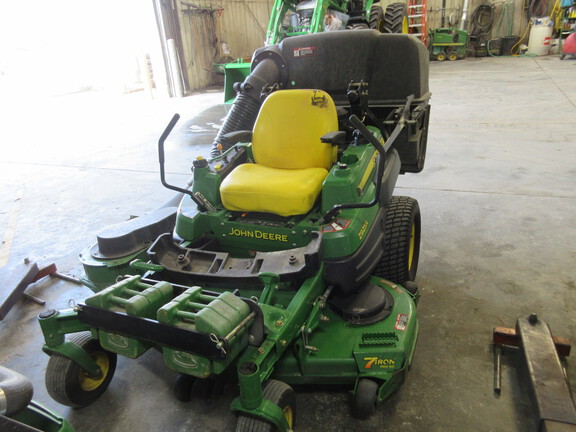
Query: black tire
x=402, y=228
x=377, y=17
x=423, y=143
x=279, y=393
x=69, y=384
x=396, y=18
x=364, y=401
x=183, y=387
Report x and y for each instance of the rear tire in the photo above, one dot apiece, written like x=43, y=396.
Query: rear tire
x=402, y=228
x=69, y=384
x=396, y=18
x=282, y=395
x=377, y=17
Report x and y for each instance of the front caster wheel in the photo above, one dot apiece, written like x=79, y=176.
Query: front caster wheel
x=364, y=402
x=71, y=385
x=283, y=396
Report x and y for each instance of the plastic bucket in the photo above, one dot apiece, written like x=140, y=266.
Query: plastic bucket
x=540, y=35
x=507, y=44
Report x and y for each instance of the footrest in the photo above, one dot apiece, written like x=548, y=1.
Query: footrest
x=185, y=264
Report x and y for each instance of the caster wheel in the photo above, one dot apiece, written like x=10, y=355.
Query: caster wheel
x=71, y=385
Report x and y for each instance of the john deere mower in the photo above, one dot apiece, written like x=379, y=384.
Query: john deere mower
x=288, y=259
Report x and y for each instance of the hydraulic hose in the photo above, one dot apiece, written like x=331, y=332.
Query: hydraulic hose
x=15, y=392
x=245, y=109
x=482, y=20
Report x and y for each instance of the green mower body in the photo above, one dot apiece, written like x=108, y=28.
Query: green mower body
x=324, y=296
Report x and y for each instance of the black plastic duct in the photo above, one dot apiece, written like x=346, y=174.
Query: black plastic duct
x=268, y=69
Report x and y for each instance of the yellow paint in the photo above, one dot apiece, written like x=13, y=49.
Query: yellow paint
x=368, y=172
x=412, y=246
x=363, y=230
x=87, y=383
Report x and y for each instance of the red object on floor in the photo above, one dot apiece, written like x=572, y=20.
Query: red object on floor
x=569, y=46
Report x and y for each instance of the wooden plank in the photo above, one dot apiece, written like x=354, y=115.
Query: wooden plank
x=508, y=336
x=12, y=285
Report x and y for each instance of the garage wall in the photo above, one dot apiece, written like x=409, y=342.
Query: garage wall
x=200, y=27
x=244, y=24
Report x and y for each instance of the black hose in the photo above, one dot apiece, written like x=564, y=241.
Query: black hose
x=245, y=109
x=537, y=8
x=15, y=392
x=242, y=116
x=482, y=20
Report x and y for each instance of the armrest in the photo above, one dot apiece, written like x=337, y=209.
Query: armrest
x=335, y=138
x=242, y=136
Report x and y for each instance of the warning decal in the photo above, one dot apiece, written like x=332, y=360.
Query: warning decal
x=304, y=51
x=401, y=322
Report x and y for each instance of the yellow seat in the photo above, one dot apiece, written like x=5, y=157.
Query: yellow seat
x=291, y=162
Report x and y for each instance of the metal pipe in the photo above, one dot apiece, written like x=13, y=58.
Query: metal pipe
x=497, y=368
x=464, y=15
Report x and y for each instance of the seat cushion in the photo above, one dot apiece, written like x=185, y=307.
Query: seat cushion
x=257, y=188
x=288, y=129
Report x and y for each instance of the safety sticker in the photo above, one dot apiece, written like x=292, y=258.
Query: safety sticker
x=337, y=225
x=304, y=51
x=401, y=322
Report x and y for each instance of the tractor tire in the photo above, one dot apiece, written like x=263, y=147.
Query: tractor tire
x=69, y=384
x=365, y=399
x=402, y=228
x=377, y=17
x=183, y=387
x=396, y=18
x=283, y=396
x=441, y=56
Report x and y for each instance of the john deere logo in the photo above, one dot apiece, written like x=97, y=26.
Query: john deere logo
x=378, y=363
x=258, y=235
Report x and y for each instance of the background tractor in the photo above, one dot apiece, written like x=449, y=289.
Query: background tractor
x=294, y=18
x=287, y=260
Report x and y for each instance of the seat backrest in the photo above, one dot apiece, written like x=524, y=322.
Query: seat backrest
x=288, y=129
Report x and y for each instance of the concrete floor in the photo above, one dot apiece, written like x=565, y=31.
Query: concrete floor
x=498, y=204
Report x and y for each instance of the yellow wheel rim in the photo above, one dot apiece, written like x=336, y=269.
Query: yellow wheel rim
x=453, y=56
x=289, y=415
x=412, y=246
x=88, y=383
x=441, y=57
x=405, y=29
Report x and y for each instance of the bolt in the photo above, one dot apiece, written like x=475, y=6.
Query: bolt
x=324, y=318
x=533, y=318
x=283, y=342
x=279, y=323
x=48, y=313
x=293, y=260
x=260, y=350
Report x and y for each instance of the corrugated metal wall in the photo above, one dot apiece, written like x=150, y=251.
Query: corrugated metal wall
x=198, y=24
x=244, y=24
